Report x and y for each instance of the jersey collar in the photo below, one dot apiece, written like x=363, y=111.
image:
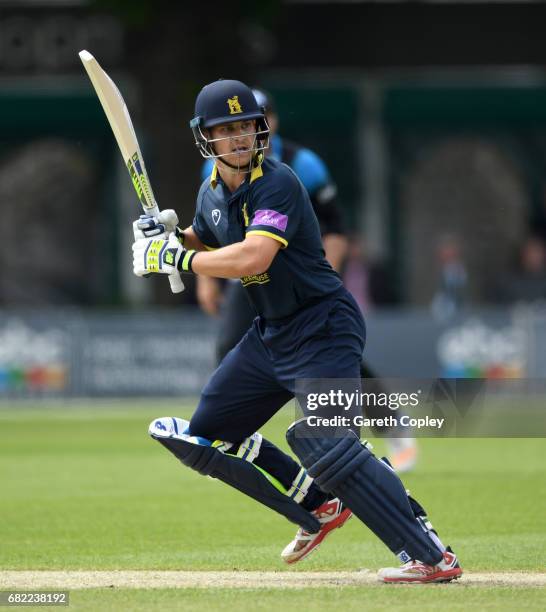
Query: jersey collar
x=213, y=176
x=256, y=173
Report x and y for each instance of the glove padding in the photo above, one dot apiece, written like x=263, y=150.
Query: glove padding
x=161, y=256
x=162, y=226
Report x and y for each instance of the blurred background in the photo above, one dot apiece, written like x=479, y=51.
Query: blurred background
x=431, y=117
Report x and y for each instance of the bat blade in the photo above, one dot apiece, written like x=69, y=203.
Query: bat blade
x=119, y=119
x=118, y=116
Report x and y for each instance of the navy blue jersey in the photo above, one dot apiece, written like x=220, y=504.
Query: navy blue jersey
x=314, y=175
x=271, y=202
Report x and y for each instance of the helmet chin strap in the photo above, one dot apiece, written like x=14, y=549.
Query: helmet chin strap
x=237, y=169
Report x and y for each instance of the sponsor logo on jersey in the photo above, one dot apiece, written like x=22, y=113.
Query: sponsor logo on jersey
x=255, y=279
x=272, y=218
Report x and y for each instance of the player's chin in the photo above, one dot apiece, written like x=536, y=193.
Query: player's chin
x=240, y=158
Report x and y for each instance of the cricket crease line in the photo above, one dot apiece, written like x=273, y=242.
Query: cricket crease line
x=136, y=579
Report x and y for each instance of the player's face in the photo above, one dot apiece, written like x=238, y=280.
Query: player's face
x=236, y=141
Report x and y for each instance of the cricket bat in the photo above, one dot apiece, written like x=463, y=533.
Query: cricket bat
x=120, y=121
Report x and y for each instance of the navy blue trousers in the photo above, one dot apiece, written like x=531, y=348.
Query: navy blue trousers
x=257, y=377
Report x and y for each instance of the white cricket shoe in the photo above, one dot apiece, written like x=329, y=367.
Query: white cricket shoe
x=414, y=571
x=331, y=515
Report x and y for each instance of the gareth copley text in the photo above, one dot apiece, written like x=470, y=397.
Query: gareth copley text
x=403, y=421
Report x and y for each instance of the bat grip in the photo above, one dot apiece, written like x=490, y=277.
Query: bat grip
x=177, y=286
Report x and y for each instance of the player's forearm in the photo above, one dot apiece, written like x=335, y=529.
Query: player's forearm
x=233, y=261
x=335, y=249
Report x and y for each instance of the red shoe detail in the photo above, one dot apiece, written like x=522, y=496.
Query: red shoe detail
x=416, y=572
x=332, y=515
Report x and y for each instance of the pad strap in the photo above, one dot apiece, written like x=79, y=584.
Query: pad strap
x=249, y=448
x=300, y=486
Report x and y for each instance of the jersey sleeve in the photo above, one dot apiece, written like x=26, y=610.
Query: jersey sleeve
x=199, y=225
x=274, y=209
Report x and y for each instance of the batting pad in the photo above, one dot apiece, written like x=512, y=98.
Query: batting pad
x=200, y=455
x=345, y=468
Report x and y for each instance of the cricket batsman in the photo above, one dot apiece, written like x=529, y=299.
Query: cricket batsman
x=238, y=313
x=254, y=221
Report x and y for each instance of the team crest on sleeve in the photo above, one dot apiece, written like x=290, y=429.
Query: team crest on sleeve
x=216, y=214
x=234, y=105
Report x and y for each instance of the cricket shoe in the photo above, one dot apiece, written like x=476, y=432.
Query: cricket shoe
x=402, y=453
x=331, y=515
x=414, y=571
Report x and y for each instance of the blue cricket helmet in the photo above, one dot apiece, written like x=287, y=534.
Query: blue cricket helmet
x=225, y=101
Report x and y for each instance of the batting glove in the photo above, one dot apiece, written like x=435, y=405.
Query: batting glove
x=161, y=256
x=162, y=226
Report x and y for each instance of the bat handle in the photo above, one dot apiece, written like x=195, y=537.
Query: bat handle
x=177, y=286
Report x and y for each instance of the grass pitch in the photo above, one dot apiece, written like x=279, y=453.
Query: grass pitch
x=83, y=487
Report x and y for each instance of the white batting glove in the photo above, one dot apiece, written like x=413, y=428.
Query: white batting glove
x=161, y=256
x=162, y=226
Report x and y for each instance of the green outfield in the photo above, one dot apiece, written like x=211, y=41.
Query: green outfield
x=84, y=488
